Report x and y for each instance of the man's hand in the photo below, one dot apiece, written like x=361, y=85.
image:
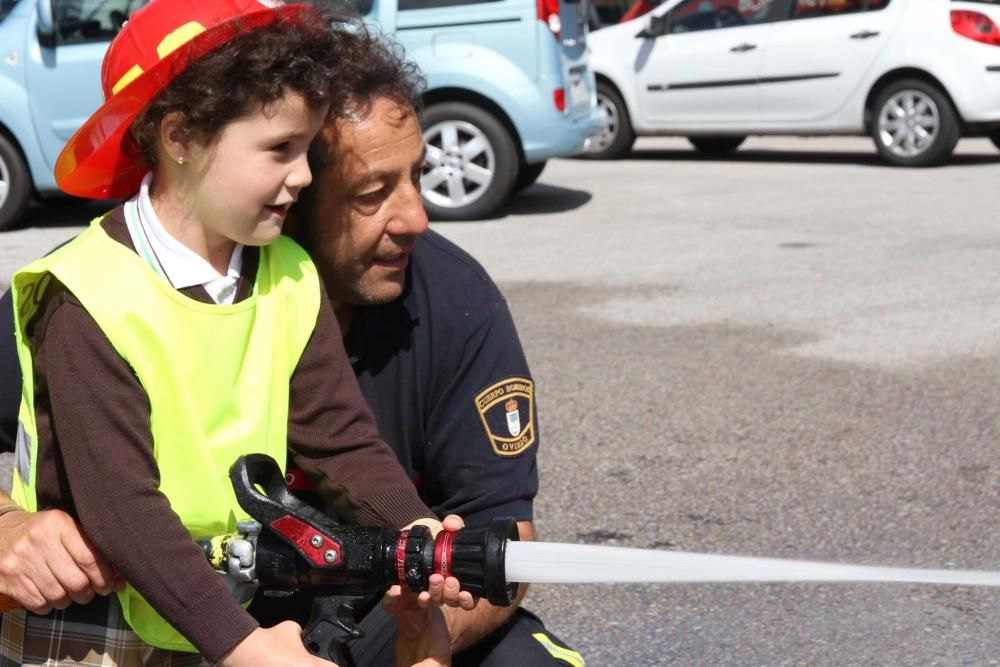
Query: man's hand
x=442, y=591
x=421, y=632
x=47, y=563
x=467, y=627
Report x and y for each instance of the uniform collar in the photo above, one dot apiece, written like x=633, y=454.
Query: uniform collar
x=372, y=322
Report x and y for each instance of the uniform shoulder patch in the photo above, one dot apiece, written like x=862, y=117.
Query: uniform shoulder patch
x=507, y=409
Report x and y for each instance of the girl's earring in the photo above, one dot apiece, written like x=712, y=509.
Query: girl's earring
x=180, y=160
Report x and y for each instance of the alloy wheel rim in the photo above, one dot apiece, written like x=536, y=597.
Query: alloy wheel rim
x=600, y=142
x=461, y=164
x=909, y=123
x=4, y=182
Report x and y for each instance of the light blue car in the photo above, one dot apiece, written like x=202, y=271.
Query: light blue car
x=508, y=87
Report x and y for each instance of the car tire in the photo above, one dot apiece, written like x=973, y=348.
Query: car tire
x=716, y=145
x=527, y=176
x=15, y=184
x=914, y=124
x=617, y=137
x=471, y=162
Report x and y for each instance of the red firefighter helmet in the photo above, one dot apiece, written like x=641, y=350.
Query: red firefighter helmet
x=155, y=45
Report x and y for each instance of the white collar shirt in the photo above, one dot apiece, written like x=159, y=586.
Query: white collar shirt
x=175, y=262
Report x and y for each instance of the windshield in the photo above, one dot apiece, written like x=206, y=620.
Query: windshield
x=5, y=7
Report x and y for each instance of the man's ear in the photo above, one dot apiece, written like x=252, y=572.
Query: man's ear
x=175, y=139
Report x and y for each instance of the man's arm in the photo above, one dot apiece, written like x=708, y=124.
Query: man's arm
x=46, y=562
x=466, y=628
x=476, y=477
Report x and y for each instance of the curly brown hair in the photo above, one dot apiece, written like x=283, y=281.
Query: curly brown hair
x=303, y=55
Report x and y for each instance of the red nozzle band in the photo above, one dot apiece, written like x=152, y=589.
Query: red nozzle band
x=442, y=552
x=401, y=557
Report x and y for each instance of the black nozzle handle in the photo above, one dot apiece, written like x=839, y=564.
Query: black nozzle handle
x=279, y=510
x=260, y=470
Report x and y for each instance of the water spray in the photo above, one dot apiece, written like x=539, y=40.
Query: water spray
x=541, y=562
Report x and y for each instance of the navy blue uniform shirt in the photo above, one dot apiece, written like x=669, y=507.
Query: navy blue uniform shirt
x=10, y=376
x=445, y=375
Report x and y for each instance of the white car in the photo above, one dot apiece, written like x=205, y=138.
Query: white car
x=915, y=75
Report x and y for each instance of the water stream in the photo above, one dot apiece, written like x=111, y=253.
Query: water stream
x=540, y=562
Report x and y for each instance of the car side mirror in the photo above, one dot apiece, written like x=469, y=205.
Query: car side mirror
x=45, y=25
x=655, y=27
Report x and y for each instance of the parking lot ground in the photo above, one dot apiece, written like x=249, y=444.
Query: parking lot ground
x=792, y=352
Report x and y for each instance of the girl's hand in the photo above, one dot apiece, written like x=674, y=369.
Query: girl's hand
x=280, y=646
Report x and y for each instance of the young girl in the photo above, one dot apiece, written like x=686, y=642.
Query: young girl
x=181, y=330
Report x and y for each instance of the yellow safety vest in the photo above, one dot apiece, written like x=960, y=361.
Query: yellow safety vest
x=217, y=376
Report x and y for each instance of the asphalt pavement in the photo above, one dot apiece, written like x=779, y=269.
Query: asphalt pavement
x=792, y=352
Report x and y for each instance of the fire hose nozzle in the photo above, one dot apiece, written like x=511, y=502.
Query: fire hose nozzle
x=300, y=546
x=475, y=556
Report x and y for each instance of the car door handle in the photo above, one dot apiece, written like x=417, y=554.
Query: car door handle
x=865, y=34
x=743, y=48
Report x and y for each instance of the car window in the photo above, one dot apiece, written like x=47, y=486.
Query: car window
x=609, y=12
x=6, y=6
x=694, y=15
x=350, y=7
x=807, y=9
x=434, y=4
x=81, y=21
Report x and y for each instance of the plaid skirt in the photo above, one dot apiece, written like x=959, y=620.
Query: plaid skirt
x=91, y=635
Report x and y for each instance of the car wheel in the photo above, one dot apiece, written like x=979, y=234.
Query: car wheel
x=471, y=162
x=716, y=145
x=616, y=137
x=528, y=175
x=15, y=184
x=914, y=124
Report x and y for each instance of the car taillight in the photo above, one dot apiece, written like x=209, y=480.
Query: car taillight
x=548, y=11
x=976, y=26
x=559, y=97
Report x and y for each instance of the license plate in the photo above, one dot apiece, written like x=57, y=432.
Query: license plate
x=579, y=92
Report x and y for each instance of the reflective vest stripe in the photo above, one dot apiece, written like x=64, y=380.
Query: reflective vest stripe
x=558, y=652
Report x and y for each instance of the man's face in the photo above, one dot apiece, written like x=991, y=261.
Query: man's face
x=368, y=207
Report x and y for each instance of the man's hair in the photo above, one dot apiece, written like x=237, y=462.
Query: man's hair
x=248, y=74
x=374, y=70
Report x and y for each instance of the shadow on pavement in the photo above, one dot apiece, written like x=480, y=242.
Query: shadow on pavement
x=62, y=212
x=757, y=155
x=541, y=199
